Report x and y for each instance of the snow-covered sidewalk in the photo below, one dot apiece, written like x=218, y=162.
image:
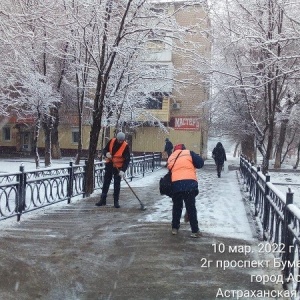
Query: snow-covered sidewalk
x=219, y=204
x=87, y=252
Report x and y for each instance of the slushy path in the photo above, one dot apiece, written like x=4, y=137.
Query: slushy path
x=83, y=252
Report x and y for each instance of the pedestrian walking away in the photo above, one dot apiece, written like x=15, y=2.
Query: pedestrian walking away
x=117, y=160
x=219, y=155
x=168, y=147
x=184, y=163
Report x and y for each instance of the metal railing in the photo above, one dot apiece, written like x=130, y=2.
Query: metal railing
x=280, y=220
x=25, y=191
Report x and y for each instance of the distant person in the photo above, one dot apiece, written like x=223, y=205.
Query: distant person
x=219, y=155
x=117, y=160
x=185, y=186
x=168, y=147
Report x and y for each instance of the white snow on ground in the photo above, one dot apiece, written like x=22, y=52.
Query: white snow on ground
x=219, y=205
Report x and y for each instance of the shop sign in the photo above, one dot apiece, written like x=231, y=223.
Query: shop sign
x=186, y=123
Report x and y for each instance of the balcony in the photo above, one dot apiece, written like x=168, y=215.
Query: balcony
x=162, y=114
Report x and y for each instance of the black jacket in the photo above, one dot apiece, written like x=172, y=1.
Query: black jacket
x=219, y=154
x=168, y=147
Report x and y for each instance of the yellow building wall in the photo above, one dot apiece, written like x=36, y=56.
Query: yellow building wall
x=152, y=139
x=65, y=137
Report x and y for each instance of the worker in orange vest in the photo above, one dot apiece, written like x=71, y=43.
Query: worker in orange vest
x=183, y=164
x=117, y=160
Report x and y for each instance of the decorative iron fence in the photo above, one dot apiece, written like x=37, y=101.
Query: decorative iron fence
x=25, y=191
x=280, y=220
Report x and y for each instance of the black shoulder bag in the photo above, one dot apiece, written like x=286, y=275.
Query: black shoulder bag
x=165, y=183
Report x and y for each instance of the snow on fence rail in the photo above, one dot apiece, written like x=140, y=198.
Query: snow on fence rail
x=280, y=220
x=25, y=191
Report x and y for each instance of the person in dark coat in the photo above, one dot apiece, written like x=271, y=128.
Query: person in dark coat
x=184, y=163
x=219, y=155
x=168, y=147
x=117, y=160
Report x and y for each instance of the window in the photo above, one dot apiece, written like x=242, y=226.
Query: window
x=155, y=101
x=75, y=135
x=157, y=10
x=6, y=133
x=156, y=45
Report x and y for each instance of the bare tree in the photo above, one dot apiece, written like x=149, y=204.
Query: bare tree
x=256, y=61
x=35, y=97
x=285, y=115
x=29, y=27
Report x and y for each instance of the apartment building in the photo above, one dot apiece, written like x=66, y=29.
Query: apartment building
x=181, y=107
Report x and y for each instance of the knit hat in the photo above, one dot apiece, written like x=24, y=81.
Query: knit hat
x=179, y=147
x=121, y=136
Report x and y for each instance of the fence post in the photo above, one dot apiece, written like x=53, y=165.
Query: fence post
x=244, y=169
x=241, y=165
x=287, y=236
x=251, y=181
x=131, y=166
x=144, y=162
x=20, y=201
x=257, y=192
x=70, y=185
x=153, y=161
x=84, y=178
x=266, y=208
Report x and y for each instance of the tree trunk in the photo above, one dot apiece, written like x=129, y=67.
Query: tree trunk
x=94, y=133
x=281, y=141
x=247, y=147
x=266, y=159
x=47, y=126
x=236, y=149
x=79, y=148
x=298, y=157
x=94, y=136
x=80, y=100
x=55, y=147
x=35, y=142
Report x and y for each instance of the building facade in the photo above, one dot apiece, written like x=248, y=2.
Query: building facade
x=182, y=110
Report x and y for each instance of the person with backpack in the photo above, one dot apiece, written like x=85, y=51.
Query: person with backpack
x=184, y=163
x=219, y=155
x=117, y=160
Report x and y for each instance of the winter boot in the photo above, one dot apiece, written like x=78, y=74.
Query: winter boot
x=116, y=198
x=102, y=201
x=116, y=203
x=196, y=234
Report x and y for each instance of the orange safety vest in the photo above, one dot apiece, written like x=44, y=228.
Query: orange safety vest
x=117, y=158
x=183, y=168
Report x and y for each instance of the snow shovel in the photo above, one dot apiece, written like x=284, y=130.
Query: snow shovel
x=141, y=203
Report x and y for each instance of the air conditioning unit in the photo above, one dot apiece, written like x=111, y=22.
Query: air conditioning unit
x=176, y=106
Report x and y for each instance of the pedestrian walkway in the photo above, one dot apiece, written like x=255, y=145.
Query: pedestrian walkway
x=83, y=252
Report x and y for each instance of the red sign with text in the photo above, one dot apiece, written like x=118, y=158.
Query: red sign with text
x=186, y=123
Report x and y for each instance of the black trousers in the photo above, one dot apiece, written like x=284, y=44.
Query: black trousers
x=189, y=198
x=219, y=168
x=111, y=172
